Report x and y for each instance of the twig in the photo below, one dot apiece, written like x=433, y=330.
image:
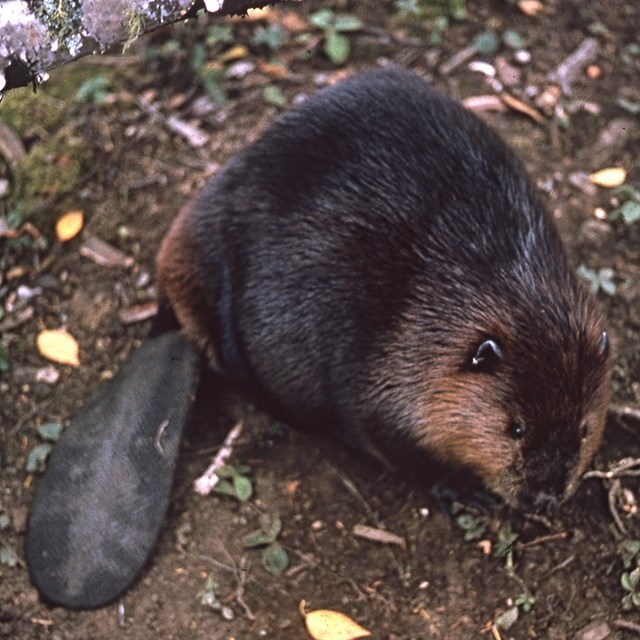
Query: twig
x=378, y=535
x=241, y=576
x=209, y=479
x=625, y=411
x=560, y=566
x=625, y=624
x=457, y=59
x=621, y=469
x=569, y=69
x=625, y=468
x=552, y=537
x=192, y=134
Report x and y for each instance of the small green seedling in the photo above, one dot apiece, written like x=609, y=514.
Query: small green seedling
x=629, y=210
x=93, y=90
x=235, y=482
x=8, y=556
x=336, y=45
x=274, y=557
x=630, y=579
x=50, y=432
x=525, y=601
x=504, y=545
x=599, y=280
x=209, y=598
x=473, y=526
x=209, y=77
x=274, y=36
x=456, y=9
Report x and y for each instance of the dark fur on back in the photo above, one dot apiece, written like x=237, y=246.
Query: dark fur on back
x=349, y=263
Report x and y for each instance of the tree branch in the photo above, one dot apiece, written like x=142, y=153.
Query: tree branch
x=37, y=36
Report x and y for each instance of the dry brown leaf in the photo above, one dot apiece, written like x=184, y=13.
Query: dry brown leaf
x=609, y=178
x=58, y=346
x=69, y=225
x=324, y=624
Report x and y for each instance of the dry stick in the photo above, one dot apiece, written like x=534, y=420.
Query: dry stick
x=570, y=68
x=625, y=468
x=625, y=411
x=552, y=537
x=209, y=479
x=625, y=624
x=560, y=566
x=241, y=577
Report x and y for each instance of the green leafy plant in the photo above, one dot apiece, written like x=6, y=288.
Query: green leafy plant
x=504, y=545
x=50, y=432
x=472, y=524
x=274, y=95
x=8, y=556
x=209, y=598
x=93, y=90
x=629, y=210
x=273, y=36
x=336, y=45
x=630, y=579
x=525, y=601
x=274, y=557
x=456, y=9
x=599, y=280
x=235, y=482
x=209, y=77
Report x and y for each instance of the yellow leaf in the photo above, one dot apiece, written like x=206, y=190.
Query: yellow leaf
x=58, y=346
x=236, y=52
x=331, y=625
x=69, y=225
x=613, y=177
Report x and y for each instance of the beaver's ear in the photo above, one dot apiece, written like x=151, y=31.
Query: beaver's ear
x=487, y=356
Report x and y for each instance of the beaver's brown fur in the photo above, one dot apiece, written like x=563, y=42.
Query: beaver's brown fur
x=349, y=264
x=377, y=263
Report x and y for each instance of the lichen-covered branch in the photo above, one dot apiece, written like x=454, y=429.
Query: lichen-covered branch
x=39, y=35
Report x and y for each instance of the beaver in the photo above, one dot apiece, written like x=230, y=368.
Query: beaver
x=377, y=263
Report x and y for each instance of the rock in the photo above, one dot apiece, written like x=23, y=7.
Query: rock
x=597, y=630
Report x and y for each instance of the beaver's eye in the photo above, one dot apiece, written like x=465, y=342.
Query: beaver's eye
x=517, y=430
x=487, y=356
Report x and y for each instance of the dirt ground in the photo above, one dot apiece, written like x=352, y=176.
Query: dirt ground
x=131, y=171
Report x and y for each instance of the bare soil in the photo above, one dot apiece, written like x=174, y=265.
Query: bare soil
x=135, y=175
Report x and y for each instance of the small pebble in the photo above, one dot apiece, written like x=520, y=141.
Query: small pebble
x=597, y=630
x=522, y=56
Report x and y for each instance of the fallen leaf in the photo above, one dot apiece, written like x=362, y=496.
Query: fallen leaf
x=378, y=535
x=610, y=177
x=324, y=624
x=517, y=105
x=530, y=7
x=58, y=346
x=237, y=52
x=69, y=225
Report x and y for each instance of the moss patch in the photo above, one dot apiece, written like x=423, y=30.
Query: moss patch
x=51, y=171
